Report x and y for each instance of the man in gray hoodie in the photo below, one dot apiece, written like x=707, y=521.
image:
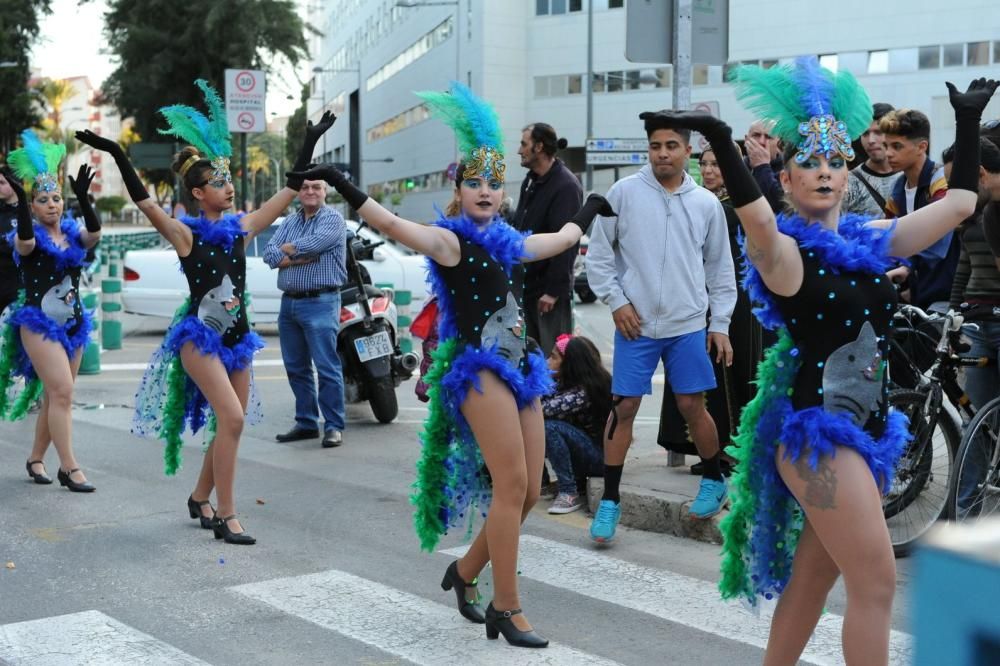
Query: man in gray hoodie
x=662, y=266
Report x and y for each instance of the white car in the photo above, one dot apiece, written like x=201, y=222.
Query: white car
x=156, y=287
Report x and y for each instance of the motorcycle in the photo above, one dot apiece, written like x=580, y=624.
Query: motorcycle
x=373, y=364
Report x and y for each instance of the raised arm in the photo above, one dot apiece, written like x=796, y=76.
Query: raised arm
x=773, y=254
x=81, y=187
x=543, y=246
x=920, y=229
x=439, y=244
x=174, y=231
x=24, y=240
x=270, y=210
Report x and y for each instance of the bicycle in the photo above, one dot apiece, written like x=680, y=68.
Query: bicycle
x=925, y=372
x=974, y=491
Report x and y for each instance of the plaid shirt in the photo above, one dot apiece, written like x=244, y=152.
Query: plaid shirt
x=323, y=236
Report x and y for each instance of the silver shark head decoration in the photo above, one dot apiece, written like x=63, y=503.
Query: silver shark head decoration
x=212, y=309
x=852, y=377
x=498, y=331
x=59, y=301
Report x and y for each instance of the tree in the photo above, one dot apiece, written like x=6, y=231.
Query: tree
x=55, y=93
x=111, y=205
x=295, y=130
x=19, y=27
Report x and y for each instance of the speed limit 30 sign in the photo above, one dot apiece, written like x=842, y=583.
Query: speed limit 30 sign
x=245, y=93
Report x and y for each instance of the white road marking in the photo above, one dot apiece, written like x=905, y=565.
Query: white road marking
x=673, y=597
x=118, y=367
x=399, y=623
x=89, y=637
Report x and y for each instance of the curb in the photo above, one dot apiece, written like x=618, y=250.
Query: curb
x=658, y=511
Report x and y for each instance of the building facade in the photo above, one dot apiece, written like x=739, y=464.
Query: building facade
x=528, y=57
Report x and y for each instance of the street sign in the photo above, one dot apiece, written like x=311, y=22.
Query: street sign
x=649, y=30
x=246, y=90
x=620, y=145
x=151, y=155
x=617, y=159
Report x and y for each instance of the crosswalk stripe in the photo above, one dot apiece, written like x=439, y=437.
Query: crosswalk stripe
x=89, y=637
x=402, y=624
x=673, y=597
x=118, y=367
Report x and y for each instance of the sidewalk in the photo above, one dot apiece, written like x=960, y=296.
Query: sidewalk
x=656, y=497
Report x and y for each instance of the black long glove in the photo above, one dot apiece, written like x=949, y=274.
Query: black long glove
x=81, y=186
x=740, y=184
x=354, y=197
x=136, y=190
x=594, y=205
x=25, y=229
x=312, y=137
x=968, y=112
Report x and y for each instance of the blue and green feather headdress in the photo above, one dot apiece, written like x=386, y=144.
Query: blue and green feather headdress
x=37, y=163
x=476, y=126
x=210, y=135
x=819, y=111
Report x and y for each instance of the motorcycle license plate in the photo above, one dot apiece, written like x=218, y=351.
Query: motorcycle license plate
x=373, y=346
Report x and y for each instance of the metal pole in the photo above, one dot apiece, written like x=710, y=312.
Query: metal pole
x=243, y=169
x=458, y=53
x=681, y=100
x=589, y=180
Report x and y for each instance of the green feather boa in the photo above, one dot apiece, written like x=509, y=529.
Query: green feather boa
x=15, y=410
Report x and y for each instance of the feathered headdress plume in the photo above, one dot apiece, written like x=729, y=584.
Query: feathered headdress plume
x=37, y=163
x=810, y=106
x=210, y=135
x=476, y=126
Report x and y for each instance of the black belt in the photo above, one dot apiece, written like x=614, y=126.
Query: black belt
x=310, y=294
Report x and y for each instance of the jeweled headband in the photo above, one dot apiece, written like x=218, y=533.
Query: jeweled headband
x=487, y=163
x=826, y=136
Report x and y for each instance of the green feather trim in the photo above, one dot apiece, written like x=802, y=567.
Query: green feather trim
x=173, y=416
x=736, y=525
x=473, y=120
x=851, y=104
x=432, y=474
x=32, y=390
x=35, y=157
x=771, y=94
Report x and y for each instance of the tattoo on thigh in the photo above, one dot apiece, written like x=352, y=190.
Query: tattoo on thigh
x=821, y=483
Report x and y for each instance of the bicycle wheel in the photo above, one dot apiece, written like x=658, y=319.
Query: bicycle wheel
x=975, y=489
x=920, y=487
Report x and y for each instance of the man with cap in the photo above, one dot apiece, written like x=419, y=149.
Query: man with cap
x=662, y=266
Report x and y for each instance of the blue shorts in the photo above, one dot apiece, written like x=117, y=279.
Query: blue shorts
x=685, y=359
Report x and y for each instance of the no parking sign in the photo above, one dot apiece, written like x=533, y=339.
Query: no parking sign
x=245, y=94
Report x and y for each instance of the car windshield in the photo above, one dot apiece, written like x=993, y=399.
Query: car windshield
x=374, y=236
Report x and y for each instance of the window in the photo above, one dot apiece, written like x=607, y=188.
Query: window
x=557, y=7
x=954, y=55
x=615, y=81
x=557, y=86
x=979, y=53
x=541, y=86
x=575, y=5
x=699, y=75
x=929, y=57
x=903, y=60
x=878, y=62
x=400, y=121
x=598, y=85
x=615, y=4
x=575, y=84
x=414, y=52
x=829, y=61
x=632, y=80
x=768, y=64
x=541, y=7
x=649, y=78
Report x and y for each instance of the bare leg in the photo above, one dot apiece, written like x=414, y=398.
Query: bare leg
x=700, y=423
x=842, y=504
x=42, y=436
x=801, y=604
x=210, y=376
x=240, y=381
x=57, y=374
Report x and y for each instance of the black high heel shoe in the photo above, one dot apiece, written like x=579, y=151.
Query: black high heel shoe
x=470, y=610
x=64, y=480
x=194, y=508
x=221, y=528
x=42, y=478
x=499, y=622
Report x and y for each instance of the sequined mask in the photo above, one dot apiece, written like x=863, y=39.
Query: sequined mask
x=486, y=162
x=824, y=135
x=45, y=182
x=220, y=172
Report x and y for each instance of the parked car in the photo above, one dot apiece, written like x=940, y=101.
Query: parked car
x=155, y=286
x=580, y=285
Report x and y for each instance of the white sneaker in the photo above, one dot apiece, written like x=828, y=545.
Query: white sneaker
x=566, y=503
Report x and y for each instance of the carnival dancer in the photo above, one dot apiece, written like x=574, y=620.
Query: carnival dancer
x=487, y=377
x=47, y=328
x=818, y=442
x=202, y=373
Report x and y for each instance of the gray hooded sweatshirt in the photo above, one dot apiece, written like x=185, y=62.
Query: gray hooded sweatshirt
x=672, y=261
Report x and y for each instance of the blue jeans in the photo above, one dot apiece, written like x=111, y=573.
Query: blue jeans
x=308, y=330
x=983, y=384
x=568, y=448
